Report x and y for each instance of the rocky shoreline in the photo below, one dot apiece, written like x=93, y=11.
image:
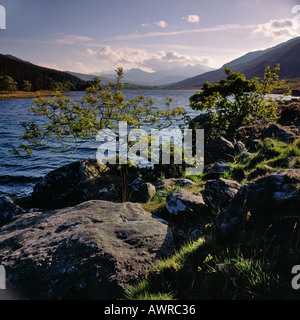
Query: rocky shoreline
x=76, y=238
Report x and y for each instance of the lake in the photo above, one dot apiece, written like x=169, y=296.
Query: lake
x=18, y=175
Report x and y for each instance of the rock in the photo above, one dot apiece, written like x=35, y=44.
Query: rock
x=245, y=155
x=265, y=201
x=289, y=113
x=182, y=201
x=8, y=209
x=218, y=193
x=141, y=191
x=217, y=149
x=67, y=185
x=91, y=251
x=109, y=194
x=214, y=171
x=170, y=183
x=239, y=147
x=248, y=134
x=274, y=131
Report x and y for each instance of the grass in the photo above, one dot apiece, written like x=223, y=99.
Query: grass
x=26, y=95
x=254, y=267
x=271, y=155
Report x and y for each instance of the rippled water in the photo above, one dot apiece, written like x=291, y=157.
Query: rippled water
x=18, y=175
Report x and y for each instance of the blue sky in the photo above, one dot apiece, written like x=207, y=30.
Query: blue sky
x=97, y=36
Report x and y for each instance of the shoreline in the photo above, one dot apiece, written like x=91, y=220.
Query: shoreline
x=26, y=95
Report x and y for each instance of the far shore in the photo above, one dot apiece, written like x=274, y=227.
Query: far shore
x=26, y=95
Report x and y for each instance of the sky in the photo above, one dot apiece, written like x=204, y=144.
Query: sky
x=97, y=36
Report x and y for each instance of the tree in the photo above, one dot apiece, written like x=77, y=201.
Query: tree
x=7, y=84
x=69, y=121
x=25, y=86
x=236, y=101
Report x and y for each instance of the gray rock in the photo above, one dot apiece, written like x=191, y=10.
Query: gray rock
x=91, y=251
x=170, y=183
x=217, y=149
x=239, y=147
x=215, y=171
x=218, y=193
x=274, y=131
x=265, y=201
x=8, y=209
x=67, y=185
x=182, y=201
x=141, y=191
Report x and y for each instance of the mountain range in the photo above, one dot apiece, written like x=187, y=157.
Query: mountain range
x=253, y=64
x=158, y=78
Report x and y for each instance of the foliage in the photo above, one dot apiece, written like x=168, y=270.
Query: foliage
x=25, y=86
x=69, y=121
x=7, y=84
x=236, y=101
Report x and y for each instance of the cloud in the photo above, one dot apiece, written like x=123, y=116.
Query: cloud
x=161, y=24
x=192, y=18
x=284, y=28
x=218, y=28
x=138, y=58
x=124, y=56
x=71, y=39
x=170, y=60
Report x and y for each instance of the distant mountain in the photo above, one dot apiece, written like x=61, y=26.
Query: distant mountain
x=253, y=64
x=140, y=77
x=41, y=78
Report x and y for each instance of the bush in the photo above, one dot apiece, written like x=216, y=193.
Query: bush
x=236, y=101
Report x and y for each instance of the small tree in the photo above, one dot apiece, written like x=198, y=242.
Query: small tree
x=7, y=84
x=70, y=121
x=236, y=101
x=25, y=86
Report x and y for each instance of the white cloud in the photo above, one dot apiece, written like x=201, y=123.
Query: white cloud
x=161, y=23
x=192, y=18
x=218, y=28
x=170, y=60
x=71, y=39
x=138, y=58
x=145, y=25
x=284, y=28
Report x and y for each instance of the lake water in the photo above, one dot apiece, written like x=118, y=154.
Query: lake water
x=18, y=175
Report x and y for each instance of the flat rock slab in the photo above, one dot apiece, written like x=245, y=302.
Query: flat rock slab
x=182, y=202
x=90, y=251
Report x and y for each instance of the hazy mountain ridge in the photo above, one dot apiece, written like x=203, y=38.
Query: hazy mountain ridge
x=253, y=64
x=140, y=77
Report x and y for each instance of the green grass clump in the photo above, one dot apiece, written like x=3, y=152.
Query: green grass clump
x=271, y=155
x=255, y=269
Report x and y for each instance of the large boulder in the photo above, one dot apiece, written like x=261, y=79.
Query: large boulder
x=217, y=149
x=67, y=185
x=219, y=192
x=271, y=200
x=274, y=131
x=91, y=251
x=182, y=202
x=8, y=209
